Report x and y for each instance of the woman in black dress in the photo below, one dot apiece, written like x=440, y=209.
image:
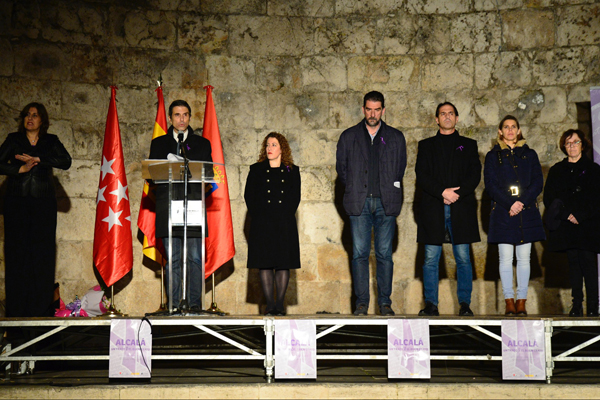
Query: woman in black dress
x=272, y=196
x=572, y=200
x=27, y=158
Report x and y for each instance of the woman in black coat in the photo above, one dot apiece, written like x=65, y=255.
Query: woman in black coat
x=572, y=199
x=513, y=179
x=27, y=158
x=272, y=196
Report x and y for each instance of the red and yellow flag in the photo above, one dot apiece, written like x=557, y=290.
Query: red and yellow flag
x=219, y=243
x=153, y=247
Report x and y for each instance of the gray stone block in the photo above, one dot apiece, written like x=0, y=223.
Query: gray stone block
x=383, y=73
x=524, y=29
x=578, y=25
x=448, y=72
x=302, y=8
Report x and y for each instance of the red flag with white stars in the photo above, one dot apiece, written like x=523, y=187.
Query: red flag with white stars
x=113, y=248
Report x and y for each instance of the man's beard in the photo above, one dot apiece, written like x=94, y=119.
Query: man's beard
x=371, y=123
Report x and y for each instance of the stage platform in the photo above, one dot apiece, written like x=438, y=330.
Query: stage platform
x=67, y=350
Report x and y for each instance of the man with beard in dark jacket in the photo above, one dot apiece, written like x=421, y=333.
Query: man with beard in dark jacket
x=370, y=161
x=448, y=171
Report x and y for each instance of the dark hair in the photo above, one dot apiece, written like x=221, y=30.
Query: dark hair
x=446, y=103
x=510, y=118
x=179, y=103
x=374, y=96
x=286, y=151
x=41, y=112
x=585, y=142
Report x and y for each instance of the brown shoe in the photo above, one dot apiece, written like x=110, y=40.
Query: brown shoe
x=510, y=307
x=521, y=307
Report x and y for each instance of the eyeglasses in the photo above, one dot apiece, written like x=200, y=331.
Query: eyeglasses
x=572, y=144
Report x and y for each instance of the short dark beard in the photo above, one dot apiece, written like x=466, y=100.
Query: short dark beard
x=367, y=120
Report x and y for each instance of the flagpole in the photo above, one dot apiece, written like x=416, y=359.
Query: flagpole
x=113, y=248
x=163, y=305
x=220, y=246
x=112, y=311
x=147, y=217
x=214, y=308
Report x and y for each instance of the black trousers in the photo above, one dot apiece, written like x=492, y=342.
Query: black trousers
x=583, y=265
x=30, y=255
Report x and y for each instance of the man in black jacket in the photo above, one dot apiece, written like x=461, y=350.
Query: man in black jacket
x=448, y=171
x=370, y=161
x=180, y=139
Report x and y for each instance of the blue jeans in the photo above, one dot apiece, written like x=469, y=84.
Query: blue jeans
x=431, y=268
x=194, y=275
x=506, y=251
x=372, y=218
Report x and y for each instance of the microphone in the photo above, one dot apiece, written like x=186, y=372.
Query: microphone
x=180, y=144
x=179, y=141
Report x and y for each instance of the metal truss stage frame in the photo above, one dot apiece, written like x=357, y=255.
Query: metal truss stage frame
x=352, y=338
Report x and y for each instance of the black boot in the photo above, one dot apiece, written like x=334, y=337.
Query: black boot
x=592, y=309
x=576, y=310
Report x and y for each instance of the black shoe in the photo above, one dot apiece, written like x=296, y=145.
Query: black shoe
x=195, y=309
x=576, y=310
x=279, y=313
x=270, y=313
x=592, y=310
x=430, y=310
x=361, y=309
x=386, y=310
x=465, y=311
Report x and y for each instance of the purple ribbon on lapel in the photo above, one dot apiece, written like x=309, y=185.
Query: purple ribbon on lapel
x=461, y=148
x=383, y=141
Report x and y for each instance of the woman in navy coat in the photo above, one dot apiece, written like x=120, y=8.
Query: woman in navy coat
x=272, y=196
x=513, y=179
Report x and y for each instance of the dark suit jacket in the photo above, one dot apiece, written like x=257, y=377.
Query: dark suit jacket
x=197, y=149
x=352, y=166
x=464, y=170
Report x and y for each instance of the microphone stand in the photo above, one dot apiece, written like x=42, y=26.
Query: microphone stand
x=184, y=304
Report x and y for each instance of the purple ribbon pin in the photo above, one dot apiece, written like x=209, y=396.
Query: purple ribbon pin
x=187, y=146
x=582, y=172
x=288, y=168
x=461, y=148
x=383, y=141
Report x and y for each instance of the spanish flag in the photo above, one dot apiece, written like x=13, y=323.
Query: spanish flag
x=153, y=248
x=219, y=243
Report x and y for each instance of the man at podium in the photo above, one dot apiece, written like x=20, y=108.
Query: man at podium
x=182, y=141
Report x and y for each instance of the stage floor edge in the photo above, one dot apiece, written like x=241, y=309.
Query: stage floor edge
x=334, y=321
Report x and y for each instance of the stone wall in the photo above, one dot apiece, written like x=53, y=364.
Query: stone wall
x=299, y=67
